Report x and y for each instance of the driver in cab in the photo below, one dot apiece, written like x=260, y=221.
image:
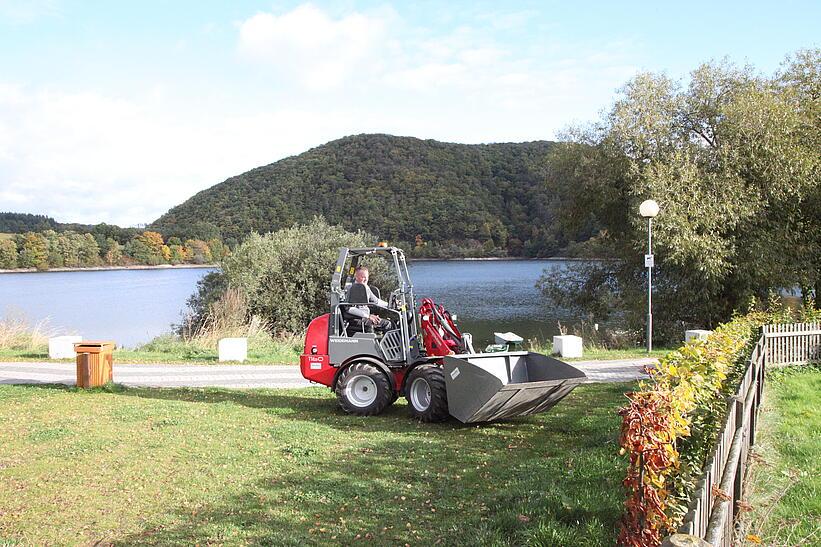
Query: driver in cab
x=362, y=312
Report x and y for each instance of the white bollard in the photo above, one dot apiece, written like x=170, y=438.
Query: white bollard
x=62, y=347
x=696, y=334
x=567, y=346
x=233, y=349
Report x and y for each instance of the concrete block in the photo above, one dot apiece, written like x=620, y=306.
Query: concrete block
x=567, y=346
x=233, y=349
x=696, y=334
x=62, y=347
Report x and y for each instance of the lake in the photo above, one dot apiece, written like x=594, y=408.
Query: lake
x=133, y=306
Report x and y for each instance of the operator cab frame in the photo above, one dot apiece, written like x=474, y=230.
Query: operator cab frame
x=399, y=346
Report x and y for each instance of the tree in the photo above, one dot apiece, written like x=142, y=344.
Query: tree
x=197, y=251
x=55, y=249
x=89, y=254
x=114, y=253
x=146, y=248
x=732, y=163
x=218, y=249
x=8, y=254
x=284, y=275
x=33, y=251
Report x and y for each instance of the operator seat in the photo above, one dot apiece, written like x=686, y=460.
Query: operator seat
x=357, y=296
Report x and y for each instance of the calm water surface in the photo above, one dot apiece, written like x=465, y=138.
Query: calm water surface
x=133, y=306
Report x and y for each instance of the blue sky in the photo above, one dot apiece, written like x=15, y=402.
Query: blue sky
x=143, y=104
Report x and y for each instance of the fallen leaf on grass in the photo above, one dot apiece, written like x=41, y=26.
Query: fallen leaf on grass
x=524, y=518
x=753, y=538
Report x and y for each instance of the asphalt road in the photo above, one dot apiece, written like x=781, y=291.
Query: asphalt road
x=249, y=376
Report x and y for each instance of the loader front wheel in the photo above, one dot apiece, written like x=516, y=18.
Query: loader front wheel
x=364, y=390
x=426, y=394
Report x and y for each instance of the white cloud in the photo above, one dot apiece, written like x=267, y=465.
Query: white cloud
x=306, y=43
x=89, y=156
x=26, y=11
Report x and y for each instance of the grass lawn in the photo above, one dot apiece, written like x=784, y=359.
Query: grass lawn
x=785, y=474
x=288, y=467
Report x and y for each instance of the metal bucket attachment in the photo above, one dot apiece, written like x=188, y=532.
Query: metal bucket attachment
x=492, y=386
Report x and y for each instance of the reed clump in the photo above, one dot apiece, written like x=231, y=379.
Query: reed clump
x=16, y=333
x=228, y=317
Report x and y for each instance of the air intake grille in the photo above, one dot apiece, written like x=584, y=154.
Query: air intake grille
x=392, y=345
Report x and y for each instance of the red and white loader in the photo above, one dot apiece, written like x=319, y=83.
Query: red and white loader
x=422, y=356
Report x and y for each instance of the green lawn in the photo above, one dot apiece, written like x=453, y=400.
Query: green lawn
x=785, y=473
x=287, y=467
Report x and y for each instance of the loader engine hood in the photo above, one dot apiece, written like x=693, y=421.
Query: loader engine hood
x=485, y=387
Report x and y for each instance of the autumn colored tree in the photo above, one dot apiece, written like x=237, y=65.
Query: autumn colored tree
x=198, y=251
x=33, y=251
x=8, y=254
x=146, y=248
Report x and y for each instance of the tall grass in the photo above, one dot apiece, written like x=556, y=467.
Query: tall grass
x=228, y=317
x=17, y=334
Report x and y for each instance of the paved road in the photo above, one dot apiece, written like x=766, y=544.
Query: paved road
x=249, y=376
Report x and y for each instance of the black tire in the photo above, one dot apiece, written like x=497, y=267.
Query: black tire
x=426, y=394
x=364, y=390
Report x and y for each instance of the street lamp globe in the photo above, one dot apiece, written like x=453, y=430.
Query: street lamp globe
x=649, y=208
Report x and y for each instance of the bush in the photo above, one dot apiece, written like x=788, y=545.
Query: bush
x=670, y=426
x=284, y=277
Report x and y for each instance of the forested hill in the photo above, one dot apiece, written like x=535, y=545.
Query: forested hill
x=437, y=198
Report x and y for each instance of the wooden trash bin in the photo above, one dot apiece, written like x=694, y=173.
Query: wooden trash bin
x=95, y=361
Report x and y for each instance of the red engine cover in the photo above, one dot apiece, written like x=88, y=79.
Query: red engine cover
x=314, y=363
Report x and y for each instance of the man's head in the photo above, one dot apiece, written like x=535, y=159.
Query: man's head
x=361, y=275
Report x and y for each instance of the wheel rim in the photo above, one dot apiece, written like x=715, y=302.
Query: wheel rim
x=420, y=394
x=361, y=391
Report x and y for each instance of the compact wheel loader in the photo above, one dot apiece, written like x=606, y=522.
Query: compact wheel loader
x=421, y=355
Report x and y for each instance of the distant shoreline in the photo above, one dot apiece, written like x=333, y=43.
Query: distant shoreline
x=110, y=268
x=517, y=258
x=187, y=266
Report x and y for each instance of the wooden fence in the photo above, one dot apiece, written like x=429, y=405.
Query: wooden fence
x=713, y=508
x=795, y=343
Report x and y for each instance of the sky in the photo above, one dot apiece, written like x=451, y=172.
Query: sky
x=117, y=111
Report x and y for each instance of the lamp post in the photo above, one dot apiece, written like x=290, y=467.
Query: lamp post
x=649, y=209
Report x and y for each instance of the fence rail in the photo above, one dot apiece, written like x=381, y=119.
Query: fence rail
x=713, y=506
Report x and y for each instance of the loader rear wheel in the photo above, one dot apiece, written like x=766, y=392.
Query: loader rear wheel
x=426, y=394
x=363, y=389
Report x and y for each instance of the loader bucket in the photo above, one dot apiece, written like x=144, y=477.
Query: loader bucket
x=492, y=386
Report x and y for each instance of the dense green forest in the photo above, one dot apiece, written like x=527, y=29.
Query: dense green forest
x=70, y=249
x=434, y=198
x=20, y=223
